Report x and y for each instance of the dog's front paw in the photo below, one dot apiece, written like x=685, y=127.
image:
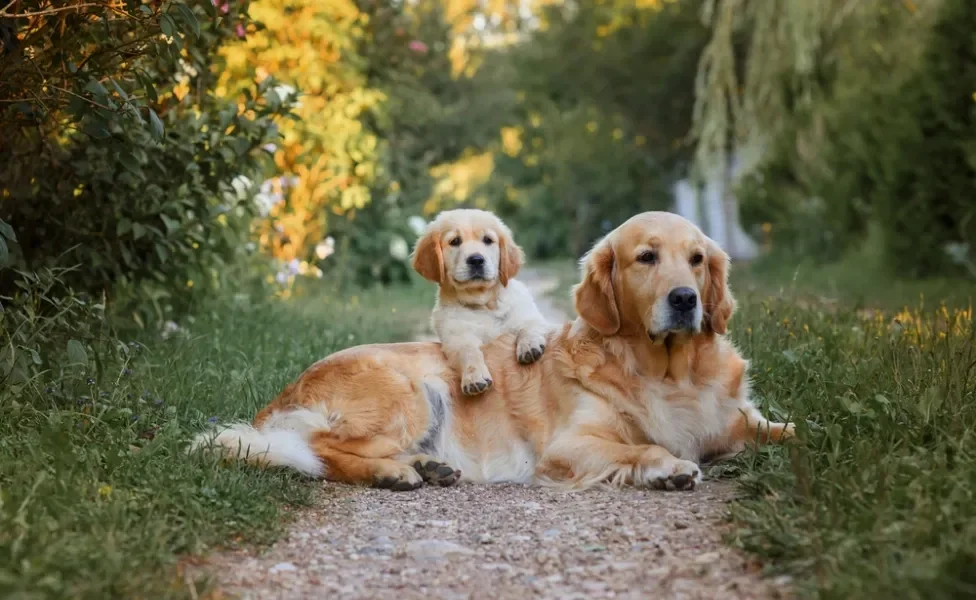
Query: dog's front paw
x=674, y=474
x=530, y=347
x=475, y=381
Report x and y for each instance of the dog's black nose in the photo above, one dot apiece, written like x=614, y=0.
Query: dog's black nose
x=683, y=299
x=476, y=260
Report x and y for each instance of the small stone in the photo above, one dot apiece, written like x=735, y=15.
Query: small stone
x=680, y=525
x=707, y=558
x=485, y=538
x=435, y=549
x=435, y=523
x=283, y=567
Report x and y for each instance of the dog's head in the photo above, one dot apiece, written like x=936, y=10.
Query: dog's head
x=467, y=249
x=657, y=274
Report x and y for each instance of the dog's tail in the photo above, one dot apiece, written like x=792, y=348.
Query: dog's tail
x=281, y=439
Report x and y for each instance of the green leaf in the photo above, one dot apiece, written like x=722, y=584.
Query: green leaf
x=97, y=89
x=35, y=357
x=155, y=125
x=171, y=223
x=123, y=227
x=147, y=83
x=162, y=253
x=168, y=25
x=138, y=231
x=146, y=10
x=76, y=353
x=4, y=253
x=119, y=89
x=189, y=18
x=7, y=231
x=131, y=164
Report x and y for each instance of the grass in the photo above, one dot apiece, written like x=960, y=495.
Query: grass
x=97, y=496
x=879, y=497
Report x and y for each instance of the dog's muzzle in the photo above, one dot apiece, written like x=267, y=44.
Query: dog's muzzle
x=682, y=314
x=476, y=267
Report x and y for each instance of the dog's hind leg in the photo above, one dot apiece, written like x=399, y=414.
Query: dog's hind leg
x=350, y=462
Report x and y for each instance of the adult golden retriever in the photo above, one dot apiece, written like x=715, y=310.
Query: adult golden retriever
x=637, y=390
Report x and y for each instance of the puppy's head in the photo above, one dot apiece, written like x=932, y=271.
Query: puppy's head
x=467, y=249
x=657, y=274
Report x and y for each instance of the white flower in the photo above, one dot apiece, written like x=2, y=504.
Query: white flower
x=265, y=201
x=399, y=248
x=281, y=278
x=270, y=148
x=325, y=248
x=170, y=328
x=241, y=186
x=264, y=204
x=294, y=265
x=286, y=93
x=417, y=225
x=250, y=246
x=266, y=186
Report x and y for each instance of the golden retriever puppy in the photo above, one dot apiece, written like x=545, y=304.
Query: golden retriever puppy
x=471, y=255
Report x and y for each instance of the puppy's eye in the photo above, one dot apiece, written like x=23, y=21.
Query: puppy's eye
x=488, y=241
x=648, y=258
x=456, y=241
x=697, y=258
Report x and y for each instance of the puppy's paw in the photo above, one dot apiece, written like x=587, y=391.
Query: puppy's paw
x=475, y=380
x=530, y=347
x=675, y=474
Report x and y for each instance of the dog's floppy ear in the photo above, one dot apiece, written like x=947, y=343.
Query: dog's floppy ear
x=594, y=296
x=510, y=256
x=428, y=258
x=718, y=301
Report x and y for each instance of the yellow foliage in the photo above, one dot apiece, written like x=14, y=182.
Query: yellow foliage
x=512, y=140
x=457, y=181
x=306, y=44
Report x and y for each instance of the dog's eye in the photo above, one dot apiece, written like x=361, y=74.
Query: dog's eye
x=456, y=241
x=488, y=241
x=697, y=258
x=648, y=258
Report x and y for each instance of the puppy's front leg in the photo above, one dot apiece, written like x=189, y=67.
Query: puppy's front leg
x=466, y=356
x=531, y=342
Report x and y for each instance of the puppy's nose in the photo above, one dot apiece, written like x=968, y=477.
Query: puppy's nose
x=683, y=299
x=476, y=260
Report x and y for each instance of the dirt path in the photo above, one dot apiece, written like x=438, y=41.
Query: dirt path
x=503, y=541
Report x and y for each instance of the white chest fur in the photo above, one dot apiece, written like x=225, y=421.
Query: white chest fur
x=685, y=419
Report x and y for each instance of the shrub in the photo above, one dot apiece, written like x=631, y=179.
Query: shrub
x=127, y=162
x=925, y=201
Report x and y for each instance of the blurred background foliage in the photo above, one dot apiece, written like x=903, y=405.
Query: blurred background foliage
x=170, y=148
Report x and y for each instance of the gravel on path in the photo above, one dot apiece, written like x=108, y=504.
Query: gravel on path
x=502, y=541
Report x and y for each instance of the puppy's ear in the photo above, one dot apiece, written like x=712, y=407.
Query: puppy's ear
x=428, y=258
x=510, y=256
x=718, y=301
x=594, y=297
